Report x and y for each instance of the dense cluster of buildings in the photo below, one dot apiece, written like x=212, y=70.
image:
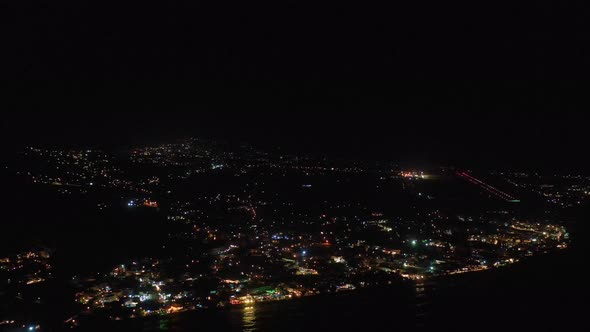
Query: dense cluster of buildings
x=248, y=227
x=27, y=268
x=249, y=260
x=564, y=191
x=22, y=276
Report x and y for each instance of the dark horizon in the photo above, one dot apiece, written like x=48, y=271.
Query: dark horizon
x=432, y=133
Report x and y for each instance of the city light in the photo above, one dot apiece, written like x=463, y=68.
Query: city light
x=202, y=243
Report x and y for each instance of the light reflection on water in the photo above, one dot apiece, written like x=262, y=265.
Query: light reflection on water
x=249, y=319
x=355, y=311
x=423, y=296
x=164, y=324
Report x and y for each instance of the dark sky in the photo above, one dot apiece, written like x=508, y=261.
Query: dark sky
x=294, y=40
x=428, y=81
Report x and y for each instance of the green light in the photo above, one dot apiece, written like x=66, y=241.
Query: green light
x=164, y=325
x=414, y=243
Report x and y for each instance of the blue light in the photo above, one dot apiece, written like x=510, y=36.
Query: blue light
x=304, y=252
x=31, y=328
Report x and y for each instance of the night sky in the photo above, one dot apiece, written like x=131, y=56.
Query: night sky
x=295, y=40
x=420, y=82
